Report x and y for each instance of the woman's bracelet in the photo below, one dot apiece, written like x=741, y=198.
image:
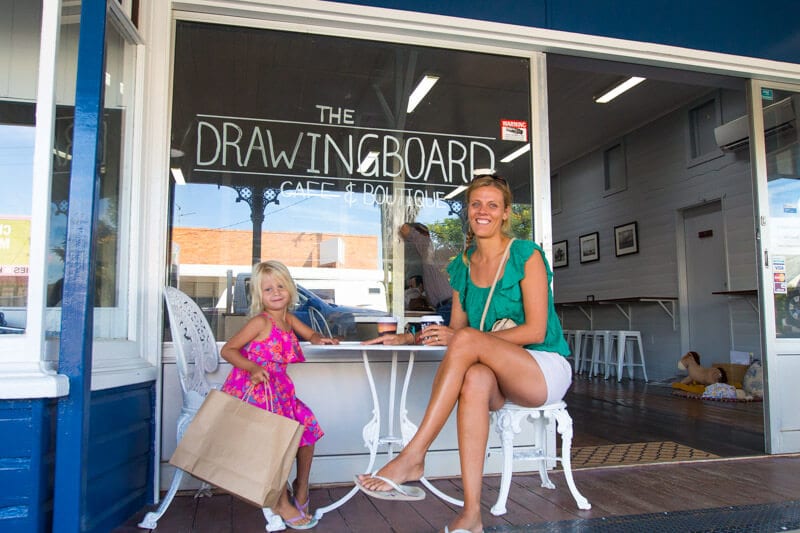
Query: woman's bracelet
x=413, y=338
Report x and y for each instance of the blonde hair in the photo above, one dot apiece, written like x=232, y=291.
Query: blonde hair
x=499, y=183
x=277, y=270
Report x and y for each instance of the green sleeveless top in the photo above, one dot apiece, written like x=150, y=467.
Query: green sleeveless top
x=507, y=297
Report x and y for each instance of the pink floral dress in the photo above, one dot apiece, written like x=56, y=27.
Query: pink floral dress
x=274, y=353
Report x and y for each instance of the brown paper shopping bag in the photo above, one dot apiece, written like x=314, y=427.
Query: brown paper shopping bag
x=240, y=448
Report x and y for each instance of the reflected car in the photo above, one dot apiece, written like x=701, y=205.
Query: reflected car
x=326, y=318
x=329, y=319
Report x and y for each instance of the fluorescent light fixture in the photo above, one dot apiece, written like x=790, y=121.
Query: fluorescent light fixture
x=455, y=192
x=525, y=148
x=367, y=162
x=419, y=92
x=618, y=89
x=177, y=175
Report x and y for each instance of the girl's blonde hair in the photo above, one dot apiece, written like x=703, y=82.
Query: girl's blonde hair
x=277, y=270
x=499, y=183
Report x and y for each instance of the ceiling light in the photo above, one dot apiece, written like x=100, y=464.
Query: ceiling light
x=516, y=153
x=419, y=92
x=455, y=192
x=177, y=175
x=618, y=89
x=367, y=162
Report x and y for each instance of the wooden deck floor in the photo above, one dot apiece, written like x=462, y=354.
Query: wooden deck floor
x=603, y=413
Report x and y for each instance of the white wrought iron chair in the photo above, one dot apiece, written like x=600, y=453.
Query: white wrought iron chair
x=194, y=343
x=507, y=421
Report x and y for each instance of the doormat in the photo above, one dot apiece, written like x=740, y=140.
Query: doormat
x=637, y=453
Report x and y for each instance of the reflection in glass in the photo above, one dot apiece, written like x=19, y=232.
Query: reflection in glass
x=115, y=133
x=783, y=182
x=301, y=148
x=16, y=161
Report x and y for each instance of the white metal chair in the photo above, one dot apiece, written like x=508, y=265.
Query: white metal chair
x=194, y=344
x=507, y=421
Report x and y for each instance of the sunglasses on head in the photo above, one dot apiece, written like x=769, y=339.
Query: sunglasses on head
x=495, y=177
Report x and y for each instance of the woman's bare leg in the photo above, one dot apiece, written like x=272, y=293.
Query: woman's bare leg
x=518, y=377
x=479, y=395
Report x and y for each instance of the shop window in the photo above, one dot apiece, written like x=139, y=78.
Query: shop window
x=703, y=118
x=17, y=126
x=304, y=148
x=614, y=170
x=19, y=44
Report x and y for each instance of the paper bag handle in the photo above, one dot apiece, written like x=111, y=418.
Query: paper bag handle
x=267, y=396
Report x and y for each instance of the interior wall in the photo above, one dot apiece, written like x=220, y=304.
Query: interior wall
x=660, y=182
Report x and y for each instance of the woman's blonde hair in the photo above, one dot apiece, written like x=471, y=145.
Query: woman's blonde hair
x=277, y=270
x=499, y=183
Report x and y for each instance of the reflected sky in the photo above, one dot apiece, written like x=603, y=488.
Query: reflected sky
x=207, y=206
x=16, y=166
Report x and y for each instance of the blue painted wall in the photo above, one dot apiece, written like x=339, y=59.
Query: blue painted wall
x=756, y=29
x=120, y=467
x=27, y=433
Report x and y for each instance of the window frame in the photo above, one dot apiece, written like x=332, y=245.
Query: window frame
x=693, y=160
x=609, y=188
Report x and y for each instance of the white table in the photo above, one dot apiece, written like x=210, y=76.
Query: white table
x=373, y=439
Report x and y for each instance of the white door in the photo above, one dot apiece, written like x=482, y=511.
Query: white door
x=775, y=152
x=709, y=329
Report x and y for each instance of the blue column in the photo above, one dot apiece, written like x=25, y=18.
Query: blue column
x=77, y=308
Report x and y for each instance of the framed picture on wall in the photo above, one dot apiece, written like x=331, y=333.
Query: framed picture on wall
x=626, y=239
x=560, y=254
x=590, y=247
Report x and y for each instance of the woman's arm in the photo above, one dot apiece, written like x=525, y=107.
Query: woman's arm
x=306, y=333
x=256, y=327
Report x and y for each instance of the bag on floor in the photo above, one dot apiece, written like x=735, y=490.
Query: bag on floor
x=240, y=448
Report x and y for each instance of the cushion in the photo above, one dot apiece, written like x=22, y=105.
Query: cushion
x=694, y=389
x=753, y=381
x=720, y=391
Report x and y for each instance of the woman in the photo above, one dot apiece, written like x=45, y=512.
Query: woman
x=480, y=370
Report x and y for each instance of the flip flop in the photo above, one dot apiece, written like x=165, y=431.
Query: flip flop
x=292, y=522
x=459, y=530
x=402, y=493
x=302, y=508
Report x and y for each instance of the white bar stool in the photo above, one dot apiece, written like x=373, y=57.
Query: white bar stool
x=581, y=345
x=506, y=422
x=601, y=342
x=569, y=336
x=626, y=343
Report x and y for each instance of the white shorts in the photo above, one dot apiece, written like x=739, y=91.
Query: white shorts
x=557, y=374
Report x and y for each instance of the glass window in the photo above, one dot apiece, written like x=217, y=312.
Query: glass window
x=114, y=153
x=555, y=194
x=19, y=46
x=306, y=149
x=615, y=177
x=703, y=119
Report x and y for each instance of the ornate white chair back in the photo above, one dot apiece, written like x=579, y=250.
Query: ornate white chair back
x=195, y=347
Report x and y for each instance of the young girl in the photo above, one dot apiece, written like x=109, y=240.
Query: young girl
x=259, y=354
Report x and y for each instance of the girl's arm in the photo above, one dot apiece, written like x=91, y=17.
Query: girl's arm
x=306, y=333
x=256, y=327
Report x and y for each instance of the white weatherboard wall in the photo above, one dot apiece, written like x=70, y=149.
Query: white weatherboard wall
x=660, y=183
